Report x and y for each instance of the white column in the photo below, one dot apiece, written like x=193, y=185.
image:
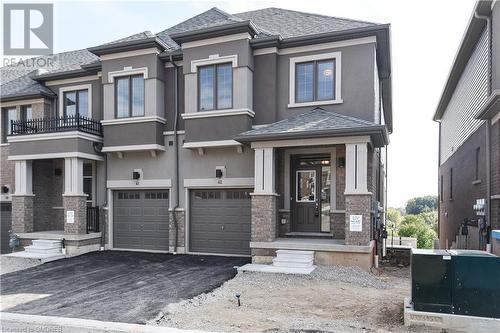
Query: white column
x=264, y=171
x=356, y=168
x=73, y=176
x=24, y=177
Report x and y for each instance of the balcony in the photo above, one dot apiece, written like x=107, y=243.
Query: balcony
x=58, y=137
x=55, y=125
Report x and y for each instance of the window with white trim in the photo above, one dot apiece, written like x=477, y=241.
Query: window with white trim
x=9, y=115
x=76, y=103
x=88, y=181
x=315, y=80
x=129, y=96
x=215, y=86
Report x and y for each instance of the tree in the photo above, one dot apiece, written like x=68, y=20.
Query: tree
x=415, y=226
x=419, y=205
x=431, y=219
x=394, y=218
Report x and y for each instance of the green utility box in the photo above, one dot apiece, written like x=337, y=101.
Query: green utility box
x=462, y=282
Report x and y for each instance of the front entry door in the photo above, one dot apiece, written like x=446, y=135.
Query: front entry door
x=306, y=195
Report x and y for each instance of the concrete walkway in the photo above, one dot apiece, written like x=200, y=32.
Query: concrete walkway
x=15, y=322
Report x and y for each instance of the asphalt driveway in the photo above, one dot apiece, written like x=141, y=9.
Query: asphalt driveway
x=113, y=285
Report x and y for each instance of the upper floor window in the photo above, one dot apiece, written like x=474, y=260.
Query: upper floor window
x=9, y=115
x=27, y=112
x=129, y=96
x=76, y=103
x=314, y=81
x=215, y=86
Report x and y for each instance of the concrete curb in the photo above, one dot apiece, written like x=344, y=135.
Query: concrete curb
x=449, y=321
x=16, y=322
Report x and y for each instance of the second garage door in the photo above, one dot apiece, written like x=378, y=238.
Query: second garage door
x=140, y=220
x=220, y=221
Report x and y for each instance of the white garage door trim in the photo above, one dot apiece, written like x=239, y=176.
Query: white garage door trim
x=110, y=209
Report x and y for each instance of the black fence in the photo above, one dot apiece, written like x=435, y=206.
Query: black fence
x=93, y=219
x=58, y=124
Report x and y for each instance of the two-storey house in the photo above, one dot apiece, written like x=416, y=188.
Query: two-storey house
x=233, y=134
x=469, y=140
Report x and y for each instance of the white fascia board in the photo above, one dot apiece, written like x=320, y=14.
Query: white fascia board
x=218, y=113
x=111, y=149
x=54, y=136
x=55, y=155
x=131, y=120
x=142, y=184
x=216, y=40
x=311, y=142
x=72, y=80
x=247, y=182
x=209, y=144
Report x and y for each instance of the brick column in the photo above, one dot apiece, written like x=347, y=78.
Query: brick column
x=75, y=214
x=22, y=213
x=74, y=200
x=358, y=205
x=181, y=225
x=264, y=217
x=23, y=199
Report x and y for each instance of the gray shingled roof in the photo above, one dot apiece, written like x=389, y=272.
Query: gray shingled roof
x=18, y=79
x=315, y=122
x=141, y=35
x=289, y=23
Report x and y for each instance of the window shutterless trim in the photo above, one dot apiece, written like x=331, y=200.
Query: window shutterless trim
x=215, y=105
x=129, y=77
x=315, y=77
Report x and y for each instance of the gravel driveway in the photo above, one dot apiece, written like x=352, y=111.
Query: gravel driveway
x=113, y=286
x=331, y=299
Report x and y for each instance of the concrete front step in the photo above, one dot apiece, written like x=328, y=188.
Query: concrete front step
x=298, y=257
x=293, y=264
x=46, y=243
x=295, y=252
x=42, y=250
x=276, y=269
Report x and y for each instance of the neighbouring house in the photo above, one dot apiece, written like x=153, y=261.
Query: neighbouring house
x=469, y=139
x=234, y=134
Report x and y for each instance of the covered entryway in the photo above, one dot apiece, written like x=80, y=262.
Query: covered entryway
x=6, y=225
x=220, y=221
x=140, y=220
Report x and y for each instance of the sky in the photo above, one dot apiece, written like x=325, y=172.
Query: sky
x=425, y=36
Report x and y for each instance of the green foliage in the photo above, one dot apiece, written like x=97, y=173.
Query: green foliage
x=416, y=226
x=430, y=219
x=419, y=205
x=394, y=218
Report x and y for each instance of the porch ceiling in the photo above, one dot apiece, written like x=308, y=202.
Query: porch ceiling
x=317, y=123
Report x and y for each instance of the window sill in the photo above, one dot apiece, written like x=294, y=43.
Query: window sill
x=130, y=120
x=317, y=103
x=218, y=113
x=477, y=182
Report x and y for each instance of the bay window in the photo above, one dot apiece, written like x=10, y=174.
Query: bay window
x=215, y=87
x=129, y=96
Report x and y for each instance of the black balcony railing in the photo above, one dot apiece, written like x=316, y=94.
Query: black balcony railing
x=93, y=219
x=57, y=124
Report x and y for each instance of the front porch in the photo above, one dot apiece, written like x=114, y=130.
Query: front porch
x=318, y=187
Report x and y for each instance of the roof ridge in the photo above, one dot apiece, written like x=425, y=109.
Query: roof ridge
x=230, y=16
x=343, y=116
x=309, y=13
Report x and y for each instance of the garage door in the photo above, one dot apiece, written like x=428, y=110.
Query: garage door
x=140, y=220
x=6, y=225
x=220, y=221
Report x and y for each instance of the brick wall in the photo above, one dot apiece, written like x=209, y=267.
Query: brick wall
x=264, y=216
x=78, y=204
x=340, y=180
x=181, y=229
x=495, y=175
x=358, y=205
x=22, y=213
x=48, y=194
x=7, y=175
x=337, y=225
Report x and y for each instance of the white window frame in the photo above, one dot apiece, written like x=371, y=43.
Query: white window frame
x=338, y=74
x=214, y=59
x=62, y=90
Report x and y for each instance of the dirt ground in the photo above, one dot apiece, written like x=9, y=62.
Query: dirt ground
x=291, y=303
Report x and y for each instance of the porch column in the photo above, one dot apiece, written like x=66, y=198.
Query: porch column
x=23, y=198
x=264, y=200
x=74, y=200
x=358, y=201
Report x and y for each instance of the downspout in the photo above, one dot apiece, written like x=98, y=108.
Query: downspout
x=176, y=152
x=488, y=125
